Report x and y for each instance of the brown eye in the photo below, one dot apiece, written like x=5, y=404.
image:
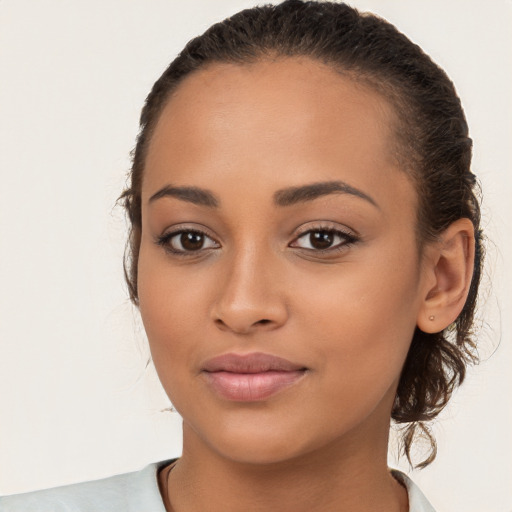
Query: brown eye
x=191, y=241
x=321, y=239
x=186, y=242
x=324, y=240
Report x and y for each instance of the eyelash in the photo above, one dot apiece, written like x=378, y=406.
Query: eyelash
x=165, y=242
x=348, y=239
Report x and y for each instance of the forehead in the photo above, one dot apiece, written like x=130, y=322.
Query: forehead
x=283, y=121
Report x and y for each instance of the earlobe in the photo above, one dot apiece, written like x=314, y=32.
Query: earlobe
x=451, y=265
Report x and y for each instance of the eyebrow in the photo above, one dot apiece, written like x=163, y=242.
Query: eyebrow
x=196, y=195
x=294, y=195
x=284, y=197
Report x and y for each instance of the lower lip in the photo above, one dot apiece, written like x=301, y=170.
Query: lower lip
x=252, y=387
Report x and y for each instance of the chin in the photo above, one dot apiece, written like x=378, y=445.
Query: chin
x=260, y=451
x=259, y=442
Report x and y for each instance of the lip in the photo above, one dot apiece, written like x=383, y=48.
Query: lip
x=251, y=377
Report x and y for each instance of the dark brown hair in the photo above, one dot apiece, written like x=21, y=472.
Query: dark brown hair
x=433, y=147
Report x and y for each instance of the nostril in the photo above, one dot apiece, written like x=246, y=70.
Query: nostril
x=243, y=328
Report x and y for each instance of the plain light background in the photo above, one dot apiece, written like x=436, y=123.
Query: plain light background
x=76, y=401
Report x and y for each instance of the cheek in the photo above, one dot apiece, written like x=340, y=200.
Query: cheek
x=361, y=321
x=171, y=312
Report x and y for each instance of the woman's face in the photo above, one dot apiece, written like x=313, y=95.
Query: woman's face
x=277, y=226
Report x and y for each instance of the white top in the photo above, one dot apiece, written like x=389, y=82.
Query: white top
x=133, y=492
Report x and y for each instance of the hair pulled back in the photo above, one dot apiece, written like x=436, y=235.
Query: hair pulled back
x=432, y=146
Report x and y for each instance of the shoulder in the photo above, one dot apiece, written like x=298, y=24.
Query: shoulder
x=417, y=500
x=130, y=492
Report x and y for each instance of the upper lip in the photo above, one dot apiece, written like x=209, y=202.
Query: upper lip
x=256, y=362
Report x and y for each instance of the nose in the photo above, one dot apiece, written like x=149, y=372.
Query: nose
x=250, y=295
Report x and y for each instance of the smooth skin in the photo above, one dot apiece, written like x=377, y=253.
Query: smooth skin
x=258, y=280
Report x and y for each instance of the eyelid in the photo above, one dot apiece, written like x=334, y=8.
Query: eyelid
x=308, y=227
x=349, y=235
x=164, y=239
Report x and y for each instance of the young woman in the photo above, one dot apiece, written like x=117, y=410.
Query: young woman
x=305, y=251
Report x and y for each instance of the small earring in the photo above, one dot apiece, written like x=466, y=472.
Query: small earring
x=431, y=318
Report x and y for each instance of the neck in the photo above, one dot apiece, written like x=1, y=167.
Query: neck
x=338, y=477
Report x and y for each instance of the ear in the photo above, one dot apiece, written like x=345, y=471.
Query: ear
x=449, y=269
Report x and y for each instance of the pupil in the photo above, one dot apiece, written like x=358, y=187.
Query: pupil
x=191, y=241
x=321, y=239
